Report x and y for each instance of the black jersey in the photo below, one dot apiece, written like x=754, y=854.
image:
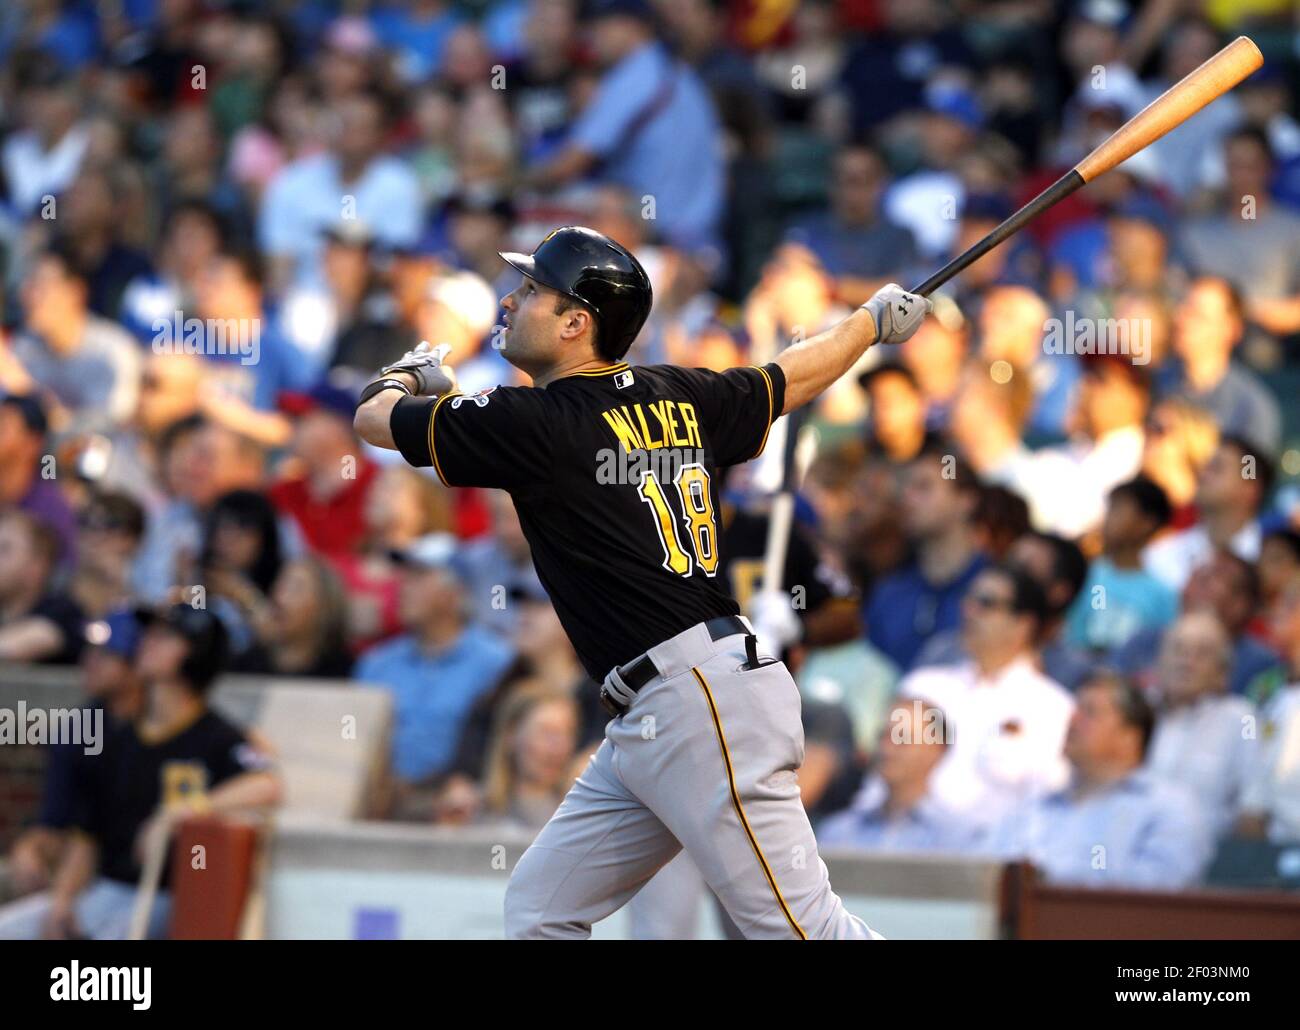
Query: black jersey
x=117, y=792
x=612, y=473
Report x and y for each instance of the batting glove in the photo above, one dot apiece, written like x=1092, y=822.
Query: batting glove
x=772, y=614
x=425, y=365
x=897, y=313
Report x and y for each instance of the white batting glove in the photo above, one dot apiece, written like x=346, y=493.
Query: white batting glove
x=775, y=623
x=424, y=365
x=897, y=313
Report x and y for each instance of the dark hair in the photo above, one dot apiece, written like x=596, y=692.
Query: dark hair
x=1132, y=704
x=1250, y=584
x=1004, y=515
x=1028, y=596
x=171, y=436
x=1265, y=472
x=1099, y=366
x=249, y=262
x=886, y=368
x=206, y=638
x=199, y=208
x=30, y=409
x=252, y=509
x=944, y=451
x=1149, y=498
x=117, y=511
x=1289, y=538
x=1253, y=134
x=1069, y=566
x=61, y=252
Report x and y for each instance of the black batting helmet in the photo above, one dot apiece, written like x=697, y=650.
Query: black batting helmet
x=590, y=267
x=202, y=630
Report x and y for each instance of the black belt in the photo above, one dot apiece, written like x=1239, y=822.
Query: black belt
x=640, y=671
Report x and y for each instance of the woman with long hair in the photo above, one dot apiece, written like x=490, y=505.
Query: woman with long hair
x=300, y=629
x=530, y=756
x=239, y=559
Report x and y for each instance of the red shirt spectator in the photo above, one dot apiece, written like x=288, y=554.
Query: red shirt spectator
x=325, y=494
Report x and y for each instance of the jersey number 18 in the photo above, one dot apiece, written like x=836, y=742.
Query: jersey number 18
x=692, y=482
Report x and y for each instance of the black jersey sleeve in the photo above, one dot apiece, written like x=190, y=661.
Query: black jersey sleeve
x=737, y=407
x=494, y=438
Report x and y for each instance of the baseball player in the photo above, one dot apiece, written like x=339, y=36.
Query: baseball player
x=612, y=471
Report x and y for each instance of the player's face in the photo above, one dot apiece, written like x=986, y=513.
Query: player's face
x=532, y=328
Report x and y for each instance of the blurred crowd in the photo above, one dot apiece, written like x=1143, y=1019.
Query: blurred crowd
x=1046, y=565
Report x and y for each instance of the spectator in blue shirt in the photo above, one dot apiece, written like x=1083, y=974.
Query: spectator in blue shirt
x=354, y=179
x=1116, y=825
x=895, y=811
x=439, y=667
x=416, y=34
x=650, y=128
x=1120, y=597
x=1059, y=567
x=250, y=361
x=853, y=239
x=940, y=494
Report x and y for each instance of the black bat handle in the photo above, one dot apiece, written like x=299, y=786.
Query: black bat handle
x=1059, y=190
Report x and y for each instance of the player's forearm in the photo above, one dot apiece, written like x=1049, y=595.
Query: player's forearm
x=372, y=418
x=812, y=365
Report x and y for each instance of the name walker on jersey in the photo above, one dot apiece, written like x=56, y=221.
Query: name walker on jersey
x=657, y=438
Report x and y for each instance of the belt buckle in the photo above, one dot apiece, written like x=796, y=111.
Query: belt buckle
x=610, y=705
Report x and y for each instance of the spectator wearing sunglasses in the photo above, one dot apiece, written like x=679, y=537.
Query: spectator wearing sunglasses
x=1007, y=718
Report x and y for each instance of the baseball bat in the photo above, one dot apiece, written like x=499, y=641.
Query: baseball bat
x=799, y=451
x=1179, y=102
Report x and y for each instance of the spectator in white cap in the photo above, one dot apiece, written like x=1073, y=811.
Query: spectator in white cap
x=460, y=309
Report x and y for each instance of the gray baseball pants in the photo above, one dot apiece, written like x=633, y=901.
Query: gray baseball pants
x=703, y=759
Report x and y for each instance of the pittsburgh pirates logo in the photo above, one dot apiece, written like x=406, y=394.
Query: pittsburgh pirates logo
x=480, y=398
